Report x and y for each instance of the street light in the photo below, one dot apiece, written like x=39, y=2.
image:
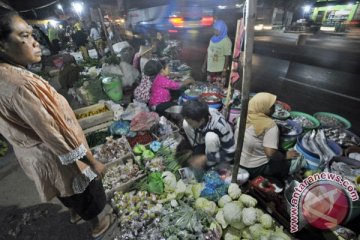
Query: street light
x=78, y=7
x=53, y=23
x=306, y=8
x=59, y=6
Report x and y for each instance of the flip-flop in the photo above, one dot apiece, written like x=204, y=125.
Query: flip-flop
x=101, y=234
x=75, y=220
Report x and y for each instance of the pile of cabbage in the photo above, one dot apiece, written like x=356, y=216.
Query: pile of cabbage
x=235, y=212
x=234, y=217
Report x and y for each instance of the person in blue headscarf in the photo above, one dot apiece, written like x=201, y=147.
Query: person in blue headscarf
x=217, y=59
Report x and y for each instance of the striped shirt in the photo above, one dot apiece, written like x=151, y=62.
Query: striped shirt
x=218, y=125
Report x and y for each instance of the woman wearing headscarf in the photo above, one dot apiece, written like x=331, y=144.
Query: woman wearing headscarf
x=218, y=55
x=43, y=130
x=260, y=154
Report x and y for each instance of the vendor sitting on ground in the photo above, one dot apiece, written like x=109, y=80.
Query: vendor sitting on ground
x=142, y=92
x=209, y=134
x=160, y=97
x=260, y=154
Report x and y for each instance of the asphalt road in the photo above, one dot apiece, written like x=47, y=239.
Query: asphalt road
x=322, y=75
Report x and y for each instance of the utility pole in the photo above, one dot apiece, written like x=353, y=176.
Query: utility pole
x=246, y=80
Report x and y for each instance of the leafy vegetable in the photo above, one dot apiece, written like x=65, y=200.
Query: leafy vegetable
x=266, y=221
x=223, y=200
x=234, y=191
x=148, y=155
x=169, y=181
x=155, y=183
x=249, y=216
x=139, y=149
x=197, y=189
x=279, y=234
x=233, y=212
x=220, y=219
x=248, y=200
x=232, y=234
x=180, y=189
x=205, y=205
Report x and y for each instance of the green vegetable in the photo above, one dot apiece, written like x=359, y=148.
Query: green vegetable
x=266, y=221
x=279, y=234
x=196, y=189
x=220, y=219
x=232, y=234
x=258, y=232
x=248, y=200
x=249, y=216
x=205, y=205
x=223, y=200
x=148, y=155
x=234, y=191
x=169, y=181
x=180, y=189
x=139, y=149
x=155, y=183
x=233, y=212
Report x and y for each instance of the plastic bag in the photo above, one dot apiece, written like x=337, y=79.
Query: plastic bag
x=143, y=121
x=133, y=109
x=215, y=187
x=297, y=164
x=120, y=128
x=130, y=74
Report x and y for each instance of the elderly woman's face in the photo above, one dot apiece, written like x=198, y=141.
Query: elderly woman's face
x=20, y=46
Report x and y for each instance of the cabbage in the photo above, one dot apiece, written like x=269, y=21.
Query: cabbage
x=197, y=189
x=205, y=205
x=169, y=180
x=180, y=189
x=234, y=191
x=279, y=234
x=223, y=200
x=238, y=226
x=188, y=191
x=249, y=216
x=220, y=219
x=233, y=212
x=266, y=221
x=248, y=200
x=232, y=234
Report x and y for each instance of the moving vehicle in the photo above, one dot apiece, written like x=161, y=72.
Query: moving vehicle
x=170, y=16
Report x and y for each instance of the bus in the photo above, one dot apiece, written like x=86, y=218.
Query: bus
x=335, y=15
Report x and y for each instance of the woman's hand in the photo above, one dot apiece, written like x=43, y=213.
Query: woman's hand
x=99, y=168
x=291, y=154
x=188, y=82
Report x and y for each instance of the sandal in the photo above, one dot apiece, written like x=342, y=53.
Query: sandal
x=75, y=220
x=74, y=217
x=101, y=233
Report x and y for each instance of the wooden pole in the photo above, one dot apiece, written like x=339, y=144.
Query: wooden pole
x=105, y=31
x=246, y=80
x=229, y=89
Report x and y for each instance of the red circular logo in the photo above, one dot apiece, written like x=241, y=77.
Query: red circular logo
x=325, y=205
